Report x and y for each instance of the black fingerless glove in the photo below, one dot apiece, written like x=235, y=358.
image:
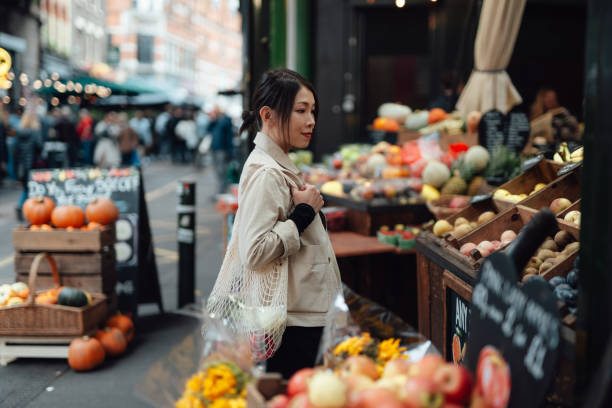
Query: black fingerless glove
x=302, y=216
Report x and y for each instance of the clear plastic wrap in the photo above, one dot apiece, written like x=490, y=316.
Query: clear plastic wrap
x=210, y=367
x=356, y=325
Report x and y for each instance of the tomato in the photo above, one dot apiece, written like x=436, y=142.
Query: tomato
x=298, y=382
x=493, y=378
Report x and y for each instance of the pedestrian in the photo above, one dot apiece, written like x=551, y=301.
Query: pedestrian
x=177, y=145
x=163, y=142
x=221, y=147
x=66, y=132
x=3, y=143
x=128, y=146
x=27, y=139
x=85, y=131
x=106, y=152
x=279, y=240
x=186, y=130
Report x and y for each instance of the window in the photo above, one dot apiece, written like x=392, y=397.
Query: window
x=145, y=49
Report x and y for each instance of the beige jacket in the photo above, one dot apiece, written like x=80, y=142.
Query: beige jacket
x=265, y=234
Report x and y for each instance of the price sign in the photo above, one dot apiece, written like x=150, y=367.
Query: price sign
x=510, y=130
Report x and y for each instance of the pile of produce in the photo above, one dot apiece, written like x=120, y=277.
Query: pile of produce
x=400, y=236
x=461, y=225
x=43, y=215
x=393, y=117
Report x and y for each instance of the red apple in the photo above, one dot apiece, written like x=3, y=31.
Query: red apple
x=300, y=401
x=337, y=163
x=278, y=401
x=355, y=384
x=398, y=366
x=421, y=392
x=455, y=382
x=298, y=381
x=427, y=366
x=377, y=398
x=360, y=365
x=466, y=248
x=493, y=379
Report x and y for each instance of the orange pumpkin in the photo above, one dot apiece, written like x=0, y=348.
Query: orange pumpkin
x=102, y=211
x=93, y=226
x=37, y=210
x=66, y=216
x=123, y=323
x=113, y=341
x=436, y=115
x=85, y=353
x=391, y=125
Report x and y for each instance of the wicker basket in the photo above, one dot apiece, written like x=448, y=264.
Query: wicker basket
x=32, y=319
x=440, y=207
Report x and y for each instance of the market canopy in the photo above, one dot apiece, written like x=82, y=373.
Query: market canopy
x=489, y=86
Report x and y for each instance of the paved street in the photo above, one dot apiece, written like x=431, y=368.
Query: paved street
x=50, y=382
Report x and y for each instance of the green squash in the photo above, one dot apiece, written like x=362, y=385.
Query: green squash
x=72, y=297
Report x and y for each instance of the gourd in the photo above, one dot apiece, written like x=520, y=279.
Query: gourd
x=102, y=211
x=417, y=120
x=123, y=323
x=435, y=174
x=478, y=157
x=394, y=111
x=74, y=297
x=85, y=353
x=66, y=216
x=37, y=210
x=113, y=341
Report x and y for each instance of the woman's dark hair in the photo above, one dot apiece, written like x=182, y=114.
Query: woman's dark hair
x=277, y=90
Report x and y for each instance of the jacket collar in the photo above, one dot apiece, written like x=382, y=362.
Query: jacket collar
x=269, y=146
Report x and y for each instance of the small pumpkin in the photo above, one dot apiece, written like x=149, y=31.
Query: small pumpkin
x=123, y=323
x=436, y=115
x=46, y=299
x=37, y=210
x=85, y=353
x=93, y=226
x=46, y=227
x=113, y=341
x=70, y=296
x=20, y=289
x=102, y=211
x=66, y=216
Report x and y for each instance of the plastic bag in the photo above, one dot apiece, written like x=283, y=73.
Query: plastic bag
x=356, y=325
x=429, y=146
x=209, y=366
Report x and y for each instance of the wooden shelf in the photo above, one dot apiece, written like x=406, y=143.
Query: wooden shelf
x=347, y=244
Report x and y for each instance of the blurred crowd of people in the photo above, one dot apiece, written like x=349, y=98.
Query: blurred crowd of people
x=62, y=138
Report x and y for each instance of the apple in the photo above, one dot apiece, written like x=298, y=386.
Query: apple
x=298, y=382
x=395, y=367
x=485, y=248
x=459, y=202
x=466, y=248
x=426, y=367
x=461, y=230
x=300, y=401
x=355, y=385
x=441, y=227
x=337, y=163
x=493, y=379
x=460, y=220
x=327, y=390
x=573, y=216
x=496, y=244
x=360, y=365
x=559, y=204
x=455, y=382
x=278, y=401
x=421, y=392
x=378, y=398
x=507, y=236
x=485, y=216
x=397, y=385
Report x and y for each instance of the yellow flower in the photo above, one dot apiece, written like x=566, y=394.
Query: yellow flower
x=183, y=403
x=219, y=382
x=237, y=403
x=189, y=401
x=353, y=345
x=389, y=349
x=195, y=383
x=220, y=403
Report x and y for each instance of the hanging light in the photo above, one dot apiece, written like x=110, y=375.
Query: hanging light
x=400, y=3
x=11, y=75
x=55, y=76
x=48, y=83
x=54, y=101
x=70, y=86
x=22, y=101
x=78, y=87
x=71, y=99
x=6, y=100
x=37, y=84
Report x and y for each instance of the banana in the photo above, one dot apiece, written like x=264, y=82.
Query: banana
x=558, y=159
x=579, y=152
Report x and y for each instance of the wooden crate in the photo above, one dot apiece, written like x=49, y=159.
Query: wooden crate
x=61, y=240
x=92, y=272
x=567, y=186
x=31, y=319
x=543, y=172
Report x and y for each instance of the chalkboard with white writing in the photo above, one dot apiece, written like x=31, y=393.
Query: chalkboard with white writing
x=510, y=130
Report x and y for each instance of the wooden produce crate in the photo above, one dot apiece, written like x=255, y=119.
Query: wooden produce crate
x=543, y=172
x=567, y=186
x=32, y=319
x=61, y=240
x=92, y=272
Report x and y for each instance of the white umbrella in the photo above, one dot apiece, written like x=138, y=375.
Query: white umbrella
x=489, y=86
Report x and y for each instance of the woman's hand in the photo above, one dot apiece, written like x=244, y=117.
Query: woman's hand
x=308, y=194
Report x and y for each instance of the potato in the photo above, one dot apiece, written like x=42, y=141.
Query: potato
x=534, y=262
x=570, y=248
x=486, y=216
x=461, y=230
x=544, y=254
x=441, y=227
x=550, y=244
x=459, y=221
x=544, y=267
x=530, y=270
x=562, y=238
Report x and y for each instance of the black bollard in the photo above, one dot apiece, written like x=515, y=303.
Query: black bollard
x=186, y=237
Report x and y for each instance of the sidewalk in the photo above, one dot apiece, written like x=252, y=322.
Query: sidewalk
x=50, y=382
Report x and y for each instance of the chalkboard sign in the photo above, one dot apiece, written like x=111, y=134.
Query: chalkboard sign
x=522, y=323
x=510, y=130
x=137, y=280
x=457, y=326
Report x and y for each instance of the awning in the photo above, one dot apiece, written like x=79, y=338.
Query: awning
x=489, y=86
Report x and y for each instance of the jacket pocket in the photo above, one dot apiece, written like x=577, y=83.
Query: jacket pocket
x=308, y=281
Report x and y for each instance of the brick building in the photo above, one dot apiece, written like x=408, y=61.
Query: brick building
x=190, y=47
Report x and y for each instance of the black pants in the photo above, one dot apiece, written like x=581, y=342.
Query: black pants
x=298, y=350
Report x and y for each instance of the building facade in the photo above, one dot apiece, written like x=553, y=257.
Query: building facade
x=190, y=48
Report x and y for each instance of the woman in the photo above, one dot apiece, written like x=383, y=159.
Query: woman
x=277, y=222
x=27, y=139
x=545, y=100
